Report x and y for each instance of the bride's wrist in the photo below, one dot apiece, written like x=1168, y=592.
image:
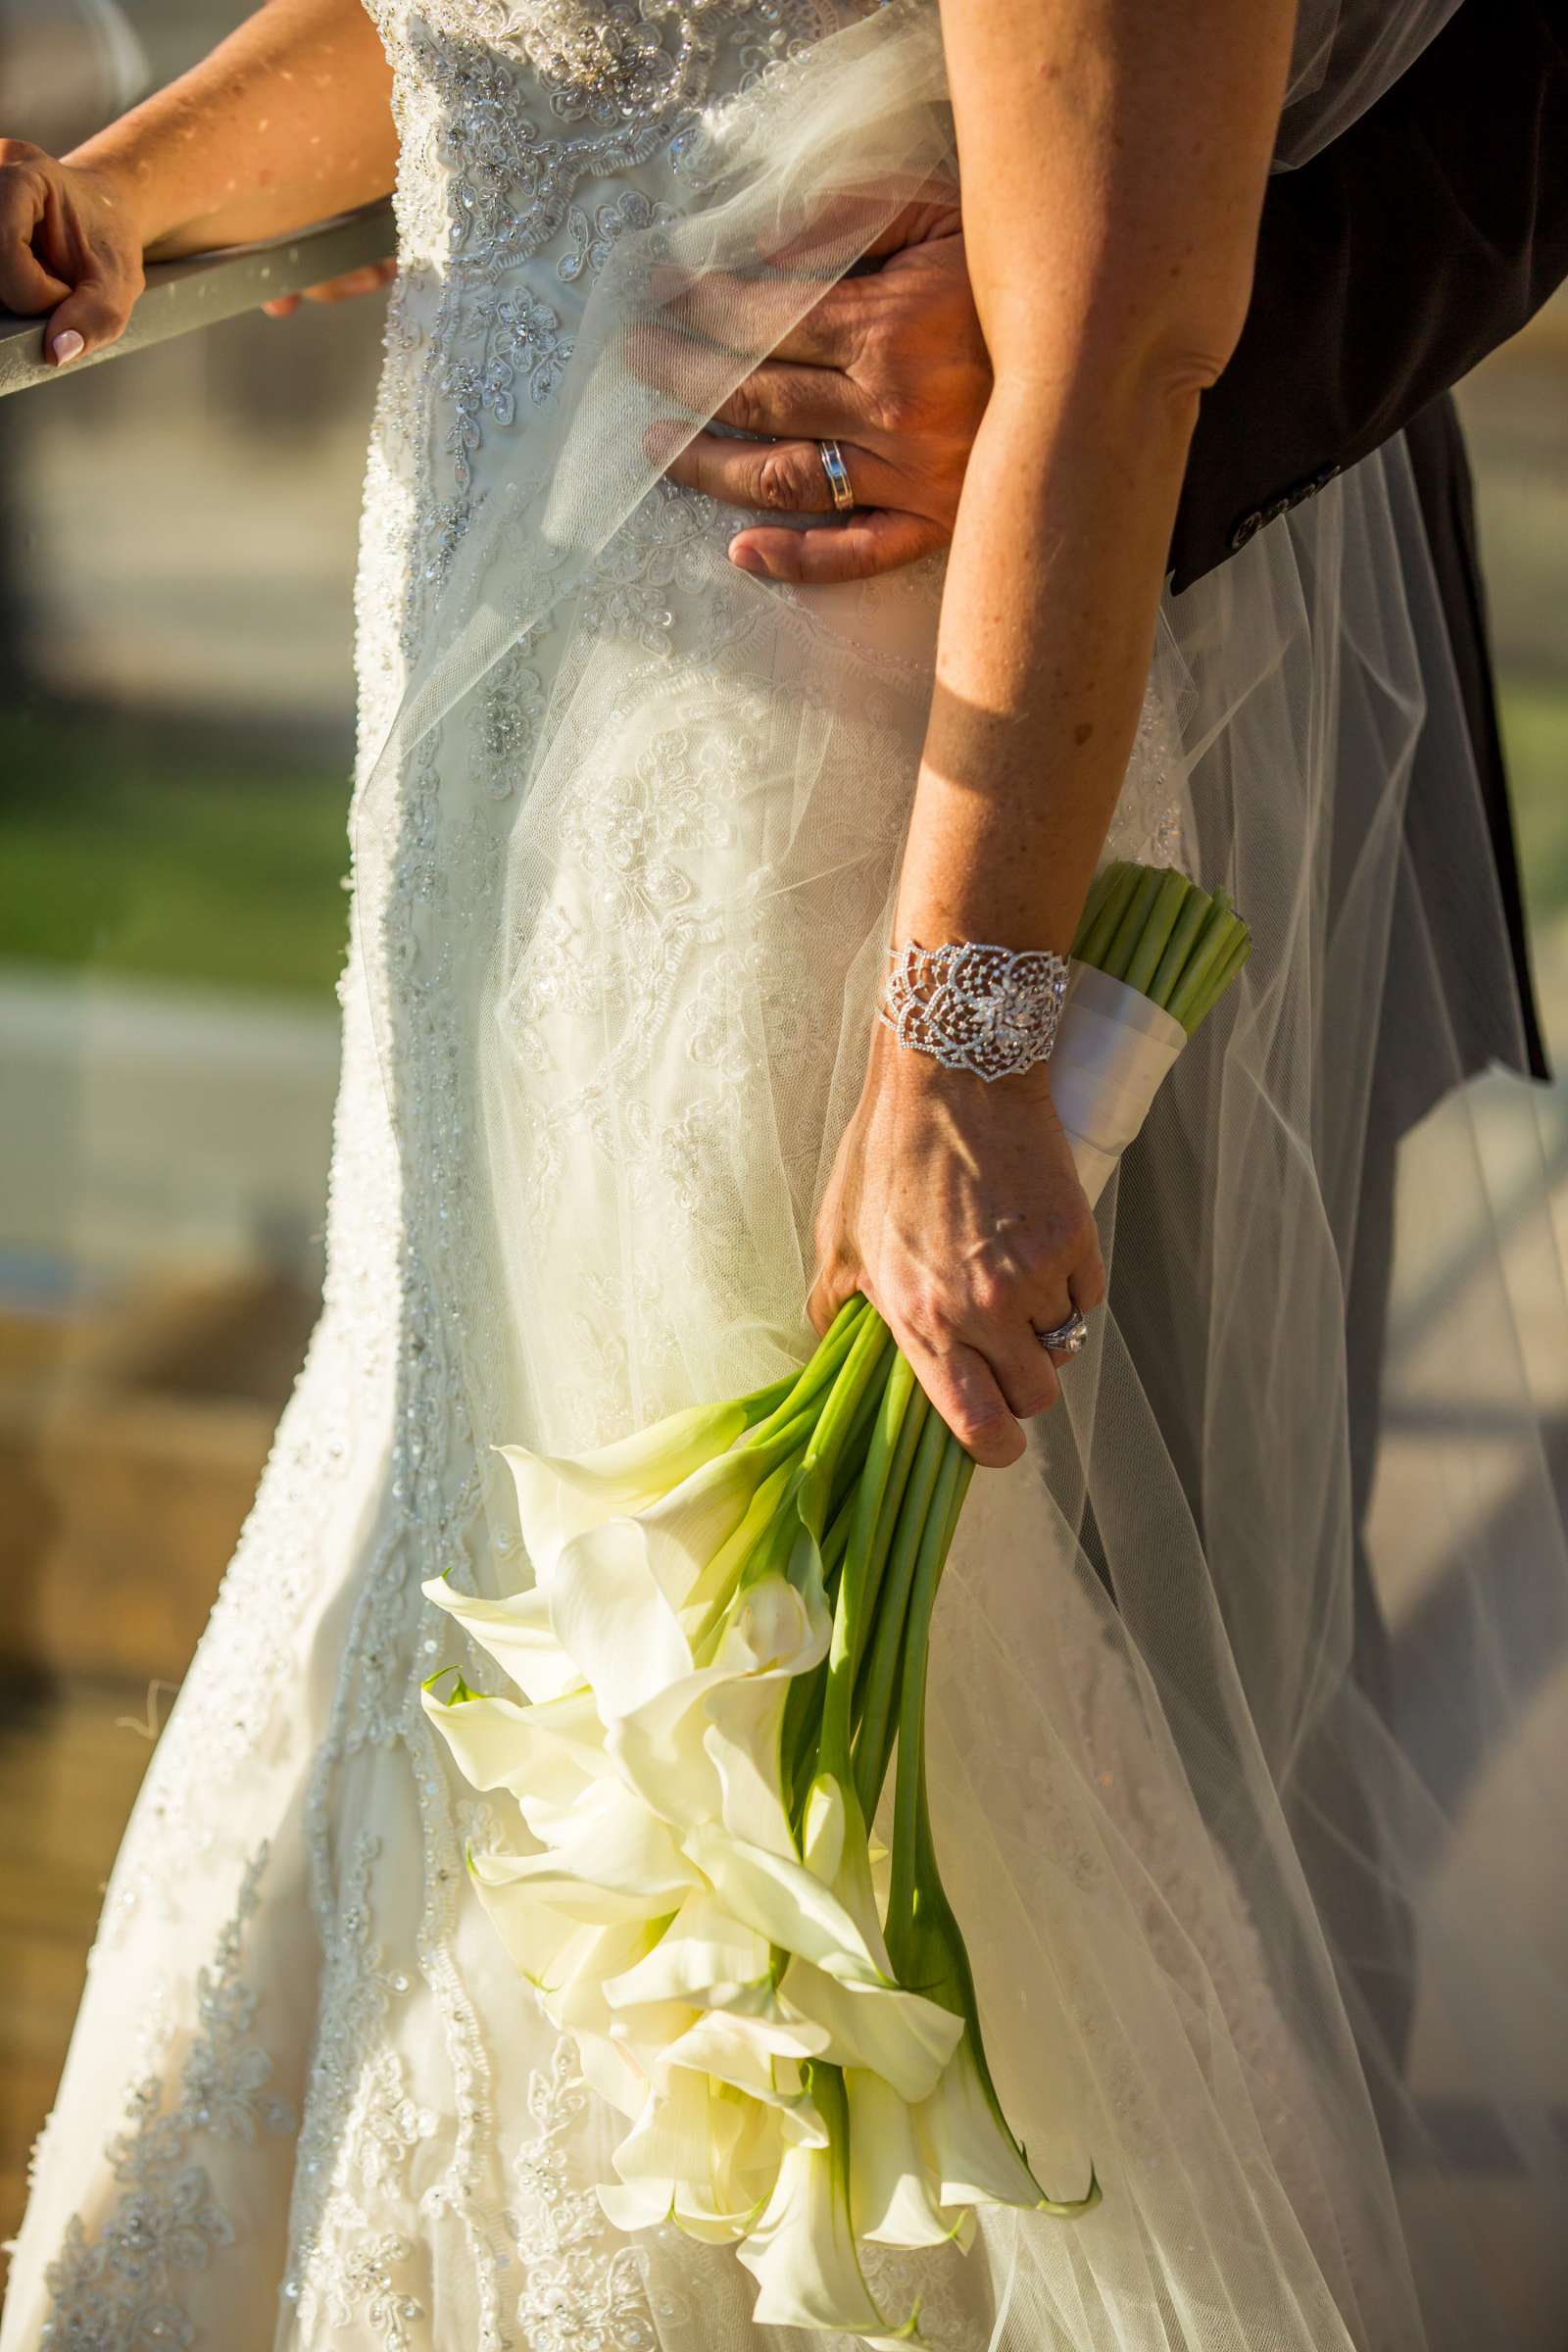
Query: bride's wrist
x=920, y=1079
x=974, y=1006
x=137, y=179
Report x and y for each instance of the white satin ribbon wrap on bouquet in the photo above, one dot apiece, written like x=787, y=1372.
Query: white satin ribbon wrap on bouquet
x=1114, y=1050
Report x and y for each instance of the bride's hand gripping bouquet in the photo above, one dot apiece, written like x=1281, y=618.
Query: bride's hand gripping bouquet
x=721, y=1659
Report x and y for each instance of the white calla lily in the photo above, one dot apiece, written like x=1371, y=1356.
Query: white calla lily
x=871, y=2024
x=732, y=1956
x=660, y=1749
x=615, y=1862
x=892, y=2197
x=687, y=1528
x=834, y=1848
x=611, y=2074
x=801, y=2251
x=783, y=1901
x=970, y=2151
x=708, y=1746
x=673, y=2145
x=703, y=1956
x=516, y=1632
x=758, y=2048
x=744, y=1740
x=610, y=1615
x=561, y=1496
x=573, y=1992
x=545, y=1755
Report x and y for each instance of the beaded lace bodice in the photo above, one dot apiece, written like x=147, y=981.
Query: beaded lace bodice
x=534, y=136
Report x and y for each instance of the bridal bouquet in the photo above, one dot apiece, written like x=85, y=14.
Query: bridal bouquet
x=724, y=1653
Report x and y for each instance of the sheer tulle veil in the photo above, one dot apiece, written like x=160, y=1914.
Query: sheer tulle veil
x=1238, y=1719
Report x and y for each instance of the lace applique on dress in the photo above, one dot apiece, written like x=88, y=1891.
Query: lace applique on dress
x=121, y=2290
x=583, y=2282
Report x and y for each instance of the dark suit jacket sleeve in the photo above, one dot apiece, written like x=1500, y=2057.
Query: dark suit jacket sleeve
x=1417, y=242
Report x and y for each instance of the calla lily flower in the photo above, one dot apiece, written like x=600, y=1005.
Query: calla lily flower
x=729, y=1611
x=518, y=1634
x=703, y=1956
x=902, y=2035
x=802, y=2253
x=545, y=1755
x=969, y=2150
x=892, y=2194
x=561, y=1496
x=617, y=1862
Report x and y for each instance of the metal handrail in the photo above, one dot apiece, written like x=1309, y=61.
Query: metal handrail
x=206, y=287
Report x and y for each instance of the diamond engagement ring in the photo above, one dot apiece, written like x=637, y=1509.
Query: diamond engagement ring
x=1068, y=1338
x=838, y=475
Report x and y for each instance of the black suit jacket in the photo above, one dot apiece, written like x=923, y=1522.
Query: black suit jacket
x=1416, y=243
x=1388, y=266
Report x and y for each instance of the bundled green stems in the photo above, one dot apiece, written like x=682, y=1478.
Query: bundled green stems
x=1153, y=928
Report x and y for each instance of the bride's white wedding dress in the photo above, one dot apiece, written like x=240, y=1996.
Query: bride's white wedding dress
x=625, y=832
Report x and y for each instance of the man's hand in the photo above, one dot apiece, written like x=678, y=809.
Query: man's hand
x=891, y=363
x=367, y=281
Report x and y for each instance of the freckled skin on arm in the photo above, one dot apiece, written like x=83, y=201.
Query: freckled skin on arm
x=1113, y=156
x=1109, y=235
x=286, y=122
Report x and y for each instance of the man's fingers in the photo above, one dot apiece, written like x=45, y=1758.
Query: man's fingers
x=861, y=547
x=777, y=314
x=780, y=477
x=788, y=403
x=353, y=282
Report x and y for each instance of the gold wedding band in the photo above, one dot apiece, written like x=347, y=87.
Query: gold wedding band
x=838, y=475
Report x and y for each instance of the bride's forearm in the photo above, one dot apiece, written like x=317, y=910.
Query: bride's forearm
x=287, y=120
x=1048, y=626
x=1113, y=157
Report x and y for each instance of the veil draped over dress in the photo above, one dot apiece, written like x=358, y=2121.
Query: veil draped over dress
x=1245, y=1752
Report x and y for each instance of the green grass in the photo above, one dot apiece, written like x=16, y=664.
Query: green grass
x=170, y=856
x=177, y=856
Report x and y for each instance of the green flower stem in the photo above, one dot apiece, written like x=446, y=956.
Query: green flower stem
x=1169, y=899
x=724, y=1574
x=1195, y=909
x=760, y=1402
x=857, y=1596
x=916, y=1412
x=771, y=1555
x=862, y=1368
x=933, y=1552
x=853, y=1456
x=1102, y=917
x=836, y=1542
x=1225, y=971
x=817, y=1373
x=1212, y=941
x=801, y=1739
x=1130, y=930
x=1101, y=890
x=873, y=1740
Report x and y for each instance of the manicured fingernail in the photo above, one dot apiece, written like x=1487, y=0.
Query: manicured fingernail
x=65, y=347
x=746, y=559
